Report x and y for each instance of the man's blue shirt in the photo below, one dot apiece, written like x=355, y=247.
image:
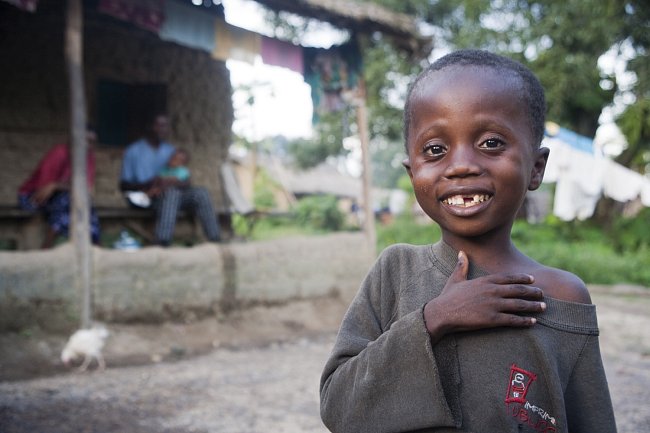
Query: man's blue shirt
x=142, y=162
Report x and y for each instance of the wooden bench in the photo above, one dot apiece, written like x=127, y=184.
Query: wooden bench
x=142, y=222
x=20, y=229
x=23, y=230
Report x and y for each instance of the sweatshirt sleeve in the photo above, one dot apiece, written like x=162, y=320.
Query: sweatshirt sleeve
x=382, y=376
x=587, y=399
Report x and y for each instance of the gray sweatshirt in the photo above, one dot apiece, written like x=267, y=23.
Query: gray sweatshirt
x=383, y=374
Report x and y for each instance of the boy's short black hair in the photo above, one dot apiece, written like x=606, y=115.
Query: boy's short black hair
x=533, y=92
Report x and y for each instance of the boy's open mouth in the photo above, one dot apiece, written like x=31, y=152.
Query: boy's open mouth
x=466, y=200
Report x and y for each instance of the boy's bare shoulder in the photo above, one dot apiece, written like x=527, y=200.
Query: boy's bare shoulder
x=562, y=285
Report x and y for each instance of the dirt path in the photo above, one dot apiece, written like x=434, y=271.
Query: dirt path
x=247, y=385
x=624, y=323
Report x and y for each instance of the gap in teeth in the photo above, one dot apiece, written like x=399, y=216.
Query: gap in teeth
x=466, y=200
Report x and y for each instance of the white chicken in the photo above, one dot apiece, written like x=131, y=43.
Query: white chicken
x=87, y=343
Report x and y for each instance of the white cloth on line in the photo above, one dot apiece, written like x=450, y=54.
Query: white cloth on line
x=620, y=183
x=556, y=159
x=579, y=181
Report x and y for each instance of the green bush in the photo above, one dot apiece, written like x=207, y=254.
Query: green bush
x=405, y=229
x=633, y=234
x=310, y=216
x=269, y=227
x=583, y=249
x=595, y=263
x=263, y=188
x=320, y=212
x=578, y=247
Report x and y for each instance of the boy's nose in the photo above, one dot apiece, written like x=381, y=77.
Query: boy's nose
x=462, y=162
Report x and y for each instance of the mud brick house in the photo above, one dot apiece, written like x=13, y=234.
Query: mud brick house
x=130, y=72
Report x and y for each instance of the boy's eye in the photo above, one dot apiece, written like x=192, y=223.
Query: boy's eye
x=491, y=143
x=433, y=149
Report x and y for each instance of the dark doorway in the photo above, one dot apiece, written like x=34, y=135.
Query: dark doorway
x=125, y=109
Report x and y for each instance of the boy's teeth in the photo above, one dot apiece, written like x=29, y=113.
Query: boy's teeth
x=465, y=200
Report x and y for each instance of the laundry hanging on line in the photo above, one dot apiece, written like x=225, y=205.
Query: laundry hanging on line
x=146, y=14
x=583, y=176
x=235, y=43
x=333, y=75
x=188, y=26
x=281, y=53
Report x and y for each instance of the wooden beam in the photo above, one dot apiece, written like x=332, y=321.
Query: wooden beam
x=80, y=206
x=360, y=17
x=364, y=138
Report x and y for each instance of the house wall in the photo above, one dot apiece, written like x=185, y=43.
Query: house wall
x=34, y=112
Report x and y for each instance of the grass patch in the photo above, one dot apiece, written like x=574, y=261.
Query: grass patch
x=583, y=250
x=580, y=248
x=272, y=227
x=404, y=229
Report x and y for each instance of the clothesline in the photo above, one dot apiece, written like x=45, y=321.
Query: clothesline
x=582, y=176
x=331, y=73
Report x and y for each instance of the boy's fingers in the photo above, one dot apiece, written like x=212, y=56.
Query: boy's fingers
x=511, y=278
x=461, y=269
x=520, y=291
x=516, y=305
x=517, y=321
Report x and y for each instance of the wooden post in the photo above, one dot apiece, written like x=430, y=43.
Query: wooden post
x=80, y=206
x=364, y=138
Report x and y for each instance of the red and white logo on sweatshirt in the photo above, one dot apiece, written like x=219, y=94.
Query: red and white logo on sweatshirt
x=524, y=411
x=520, y=381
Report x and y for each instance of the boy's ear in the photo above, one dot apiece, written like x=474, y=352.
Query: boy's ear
x=406, y=162
x=541, y=157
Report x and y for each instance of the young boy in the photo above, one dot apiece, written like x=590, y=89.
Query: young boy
x=469, y=334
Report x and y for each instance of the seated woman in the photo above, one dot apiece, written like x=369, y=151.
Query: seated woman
x=48, y=190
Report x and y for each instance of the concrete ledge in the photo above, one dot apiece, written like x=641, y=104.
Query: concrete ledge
x=156, y=284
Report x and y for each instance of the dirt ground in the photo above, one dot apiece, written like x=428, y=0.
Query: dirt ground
x=255, y=370
x=36, y=353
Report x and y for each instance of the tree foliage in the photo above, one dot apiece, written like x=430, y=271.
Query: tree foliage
x=328, y=137
x=560, y=40
x=635, y=120
x=635, y=125
x=387, y=74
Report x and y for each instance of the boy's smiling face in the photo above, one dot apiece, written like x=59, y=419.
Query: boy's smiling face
x=471, y=156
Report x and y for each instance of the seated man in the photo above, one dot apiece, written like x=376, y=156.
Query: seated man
x=143, y=162
x=48, y=190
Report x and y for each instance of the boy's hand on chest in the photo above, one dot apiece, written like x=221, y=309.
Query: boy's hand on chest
x=487, y=302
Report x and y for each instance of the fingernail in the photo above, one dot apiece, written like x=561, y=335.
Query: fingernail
x=543, y=305
x=533, y=320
